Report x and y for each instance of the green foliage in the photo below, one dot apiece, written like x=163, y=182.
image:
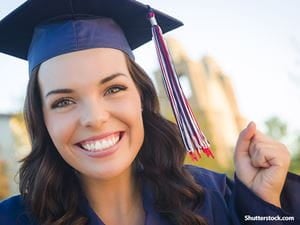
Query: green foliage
x=278, y=129
x=295, y=164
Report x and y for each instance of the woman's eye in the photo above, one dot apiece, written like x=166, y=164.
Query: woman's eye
x=62, y=103
x=115, y=89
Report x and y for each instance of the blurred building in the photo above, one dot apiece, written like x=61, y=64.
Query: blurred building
x=14, y=145
x=211, y=97
x=4, y=182
x=7, y=154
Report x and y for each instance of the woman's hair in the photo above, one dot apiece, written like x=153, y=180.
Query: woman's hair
x=52, y=190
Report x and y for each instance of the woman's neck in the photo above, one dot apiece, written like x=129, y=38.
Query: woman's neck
x=117, y=200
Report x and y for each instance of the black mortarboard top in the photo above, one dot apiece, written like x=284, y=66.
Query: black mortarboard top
x=41, y=29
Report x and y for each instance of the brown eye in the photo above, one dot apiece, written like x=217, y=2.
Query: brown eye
x=114, y=90
x=61, y=103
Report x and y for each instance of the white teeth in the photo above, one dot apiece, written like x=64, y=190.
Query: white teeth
x=100, y=145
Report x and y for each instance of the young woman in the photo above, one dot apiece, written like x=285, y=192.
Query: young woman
x=101, y=151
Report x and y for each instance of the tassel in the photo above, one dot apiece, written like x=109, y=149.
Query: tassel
x=193, y=138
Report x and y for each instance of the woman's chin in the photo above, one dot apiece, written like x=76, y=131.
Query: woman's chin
x=104, y=173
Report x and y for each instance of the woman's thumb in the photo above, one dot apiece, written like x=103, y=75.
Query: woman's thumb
x=245, y=137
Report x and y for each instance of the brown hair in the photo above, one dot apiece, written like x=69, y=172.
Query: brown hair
x=52, y=191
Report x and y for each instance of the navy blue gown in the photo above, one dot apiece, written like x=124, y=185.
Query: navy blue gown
x=226, y=202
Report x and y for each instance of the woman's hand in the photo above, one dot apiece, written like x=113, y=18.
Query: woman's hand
x=261, y=163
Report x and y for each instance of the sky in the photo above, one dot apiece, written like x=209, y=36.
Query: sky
x=256, y=43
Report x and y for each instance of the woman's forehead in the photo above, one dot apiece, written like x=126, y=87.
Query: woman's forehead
x=82, y=66
x=101, y=59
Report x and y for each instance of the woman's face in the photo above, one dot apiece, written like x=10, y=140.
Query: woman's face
x=92, y=111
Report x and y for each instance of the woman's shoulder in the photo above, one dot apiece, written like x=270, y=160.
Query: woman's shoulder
x=209, y=179
x=13, y=211
x=11, y=205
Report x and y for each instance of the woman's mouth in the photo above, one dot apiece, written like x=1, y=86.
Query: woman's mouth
x=101, y=144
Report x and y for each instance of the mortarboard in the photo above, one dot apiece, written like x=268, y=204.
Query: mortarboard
x=41, y=29
x=36, y=24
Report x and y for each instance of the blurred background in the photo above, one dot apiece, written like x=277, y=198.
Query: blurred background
x=237, y=62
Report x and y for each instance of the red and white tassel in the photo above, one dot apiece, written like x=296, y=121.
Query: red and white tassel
x=193, y=138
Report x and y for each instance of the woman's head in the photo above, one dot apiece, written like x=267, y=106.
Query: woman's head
x=92, y=109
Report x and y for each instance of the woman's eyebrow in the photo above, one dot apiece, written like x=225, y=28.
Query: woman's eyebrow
x=68, y=91
x=111, y=77
x=60, y=91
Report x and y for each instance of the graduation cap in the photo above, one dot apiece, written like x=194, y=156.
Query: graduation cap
x=42, y=29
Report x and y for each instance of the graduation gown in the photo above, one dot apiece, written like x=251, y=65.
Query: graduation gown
x=226, y=202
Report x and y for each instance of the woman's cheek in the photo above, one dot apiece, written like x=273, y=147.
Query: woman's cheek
x=61, y=128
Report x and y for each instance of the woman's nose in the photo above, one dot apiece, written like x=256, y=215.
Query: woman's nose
x=94, y=114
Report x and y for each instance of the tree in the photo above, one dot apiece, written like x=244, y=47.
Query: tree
x=295, y=164
x=278, y=130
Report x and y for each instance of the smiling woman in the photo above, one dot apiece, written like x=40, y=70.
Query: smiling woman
x=83, y=116
x=101, y=151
